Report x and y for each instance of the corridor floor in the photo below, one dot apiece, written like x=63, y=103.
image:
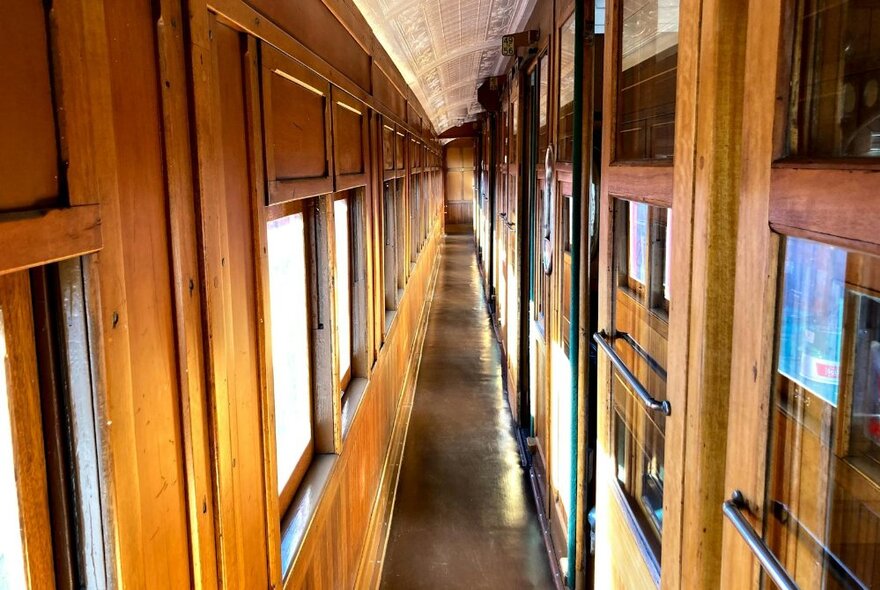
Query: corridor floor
x=463, y=517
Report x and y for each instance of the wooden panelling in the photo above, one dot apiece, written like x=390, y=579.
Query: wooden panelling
x=311, y=23
x=297, y=127
x=29, y=158
x=136, y=324
x=388, y=147
x=387, y=93
x=187, y=299
x=350, y=145
x=238, y=417
x=399, y=150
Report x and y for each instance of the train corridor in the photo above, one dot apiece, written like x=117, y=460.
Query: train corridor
x=463, y=516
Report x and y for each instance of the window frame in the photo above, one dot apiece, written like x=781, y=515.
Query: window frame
x=289, y=489
x=344, y=379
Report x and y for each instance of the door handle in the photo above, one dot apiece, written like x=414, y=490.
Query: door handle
x=733, y=511
x=649, y=401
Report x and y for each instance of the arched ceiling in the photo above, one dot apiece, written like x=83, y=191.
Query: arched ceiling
x=445, y=48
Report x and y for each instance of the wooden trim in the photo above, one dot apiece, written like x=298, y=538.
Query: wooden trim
x=285, y=497
x=281, y=191
x=829, y=202
x=754, y=295
x=647, y=184
x=35, y=238
x=187, y=299
x=346, y=182
x=260, y=217
x=326, y=398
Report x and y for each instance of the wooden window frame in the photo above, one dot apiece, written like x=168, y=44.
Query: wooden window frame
x=27, y=429
x=344, y=379
x=288, y=491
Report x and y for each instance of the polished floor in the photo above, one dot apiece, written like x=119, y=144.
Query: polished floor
x=463, y=517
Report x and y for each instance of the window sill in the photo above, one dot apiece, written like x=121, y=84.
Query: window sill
x=296, y=523
x=354, y=395
x=390, y=316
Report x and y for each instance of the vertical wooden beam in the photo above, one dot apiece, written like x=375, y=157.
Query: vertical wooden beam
x=755, y=293
x=325, y=359
x=187, y=298
x=716, y=176
x=264, y=329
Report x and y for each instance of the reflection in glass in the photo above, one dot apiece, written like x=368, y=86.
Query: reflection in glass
x=11, y=554
x=543, y=108
x=343, y=288
x=290, y=342
x=836, y=93
x=646, y=88
x=638, y=242
x=823, y=517
x=566, y=91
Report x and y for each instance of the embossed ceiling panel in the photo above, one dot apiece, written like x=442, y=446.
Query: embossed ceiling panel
x=446, y=48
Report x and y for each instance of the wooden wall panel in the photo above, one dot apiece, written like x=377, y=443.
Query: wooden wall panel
x=311, y=23
x=243, y=475
x=29, y=173
x=387, y=93
x=297, y=128
x=142, y=384
x=349, y=134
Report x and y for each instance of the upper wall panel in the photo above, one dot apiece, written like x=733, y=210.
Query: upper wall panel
x=311, y=23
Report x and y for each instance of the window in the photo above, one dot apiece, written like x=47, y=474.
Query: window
x=566, y=91
x=543, y=107
x=640, y=335
x=637, y=263
x=389, y=230
x=288, y=305
x=415, y=215
x=646, y=86
x=343, y=288
x=824, y=468
x=400, y=215
x=836, y=94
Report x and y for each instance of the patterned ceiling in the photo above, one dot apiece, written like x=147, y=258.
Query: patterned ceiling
x=446, y=48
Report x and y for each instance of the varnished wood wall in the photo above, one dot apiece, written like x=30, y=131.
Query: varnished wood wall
x=135, y=136
x=460, y=168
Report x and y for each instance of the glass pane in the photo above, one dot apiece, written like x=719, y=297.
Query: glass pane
x=290, y=342
x=823, y=517
x=836, y=90
x=11, y=554
x=343, y=286
x=638, y=242
x=646, y=88
x=667, y=255
x=566, y=91
x=543, y=109
x=641, y=332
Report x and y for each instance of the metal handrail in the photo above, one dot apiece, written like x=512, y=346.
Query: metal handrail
x=733, y=511
x=652, y=364
x=650, y=402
